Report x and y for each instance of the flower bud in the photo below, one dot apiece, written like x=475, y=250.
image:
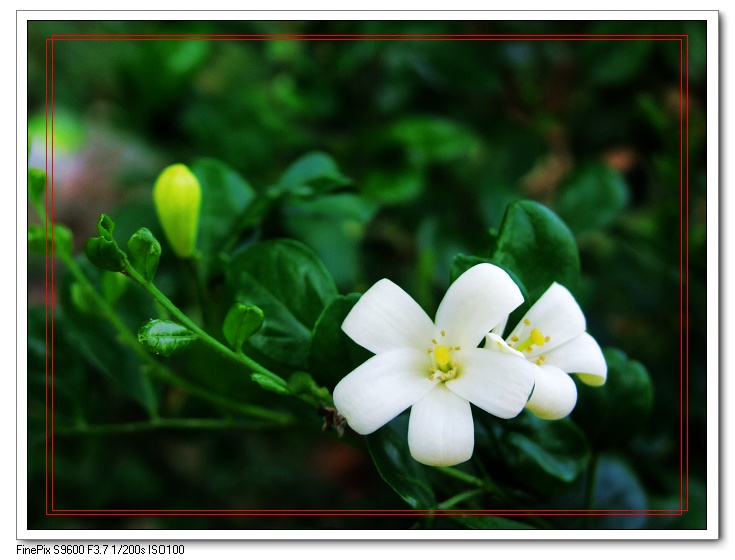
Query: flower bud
x=177, y=196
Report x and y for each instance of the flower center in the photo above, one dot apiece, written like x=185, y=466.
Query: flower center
x=443, y=367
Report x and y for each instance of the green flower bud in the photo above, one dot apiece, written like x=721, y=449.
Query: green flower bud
x=177, y=196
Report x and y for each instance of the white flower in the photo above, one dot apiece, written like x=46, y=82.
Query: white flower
x=436, y=367
x=552, y=336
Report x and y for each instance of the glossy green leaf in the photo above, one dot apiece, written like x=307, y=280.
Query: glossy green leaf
x=291, y=286
x=616, y=411
x=403, y=473
x=546, y=456
x=490, y=523
x=537, y=245
x=225, y=198
x=271, y=383
x=241, y=322
x=332, y=354
x=165, y=337
x=317, y=171
x=592, y=198
x=145, y=252
x=333, y=226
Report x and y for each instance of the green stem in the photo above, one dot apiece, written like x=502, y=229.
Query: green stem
x=193, y=265
x=213, y=343
x=160, y=423
x=454, y=500
x=159, y=370
x=486, y=484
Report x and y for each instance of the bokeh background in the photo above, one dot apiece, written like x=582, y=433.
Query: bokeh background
x=438, y=137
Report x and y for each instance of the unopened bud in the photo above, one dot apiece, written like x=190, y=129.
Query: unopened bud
x=177, y=196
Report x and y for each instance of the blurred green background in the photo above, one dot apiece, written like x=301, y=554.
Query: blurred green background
x=438, y=137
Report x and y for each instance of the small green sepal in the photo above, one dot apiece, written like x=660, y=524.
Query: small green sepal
x=103, y=251
x=242, y=322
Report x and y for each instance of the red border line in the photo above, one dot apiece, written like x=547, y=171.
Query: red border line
x=681, y=275
x=46, y=280
x=683, y=299
x=686, y=345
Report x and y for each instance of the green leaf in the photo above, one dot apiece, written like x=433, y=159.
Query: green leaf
x=492, y=523
x=403, y=473
x=592, y=198
x=62, y=240
x=535, y=243
x=145, y=251
x=103, y=251
x=242, y=322
x=292, y=287
x=165, y=337
x=225, y=198
x=616, y=411
x=546, y=456
x=36, y=186
x=333, y=226
x=271, y=383
x=317, y=171
x=332, y=354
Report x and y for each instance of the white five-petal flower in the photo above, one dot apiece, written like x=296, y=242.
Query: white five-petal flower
x=436, y=368
x=552, y=336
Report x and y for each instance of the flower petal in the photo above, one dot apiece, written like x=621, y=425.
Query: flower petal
x=500, y=327
x=440, y=429
x=383, y=387
x=496, y=382
x=580, y=355
x=556, y=315
x=475, y=303
x=554, y=394
x=386, y=318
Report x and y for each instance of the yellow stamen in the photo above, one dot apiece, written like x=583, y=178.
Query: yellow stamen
x=535, y=339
